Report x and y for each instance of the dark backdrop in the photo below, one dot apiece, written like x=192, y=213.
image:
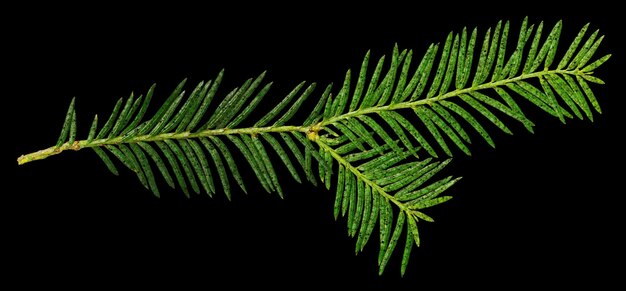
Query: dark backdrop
x=540, y=209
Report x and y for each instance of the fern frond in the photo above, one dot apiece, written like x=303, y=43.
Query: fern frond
x=378, y=137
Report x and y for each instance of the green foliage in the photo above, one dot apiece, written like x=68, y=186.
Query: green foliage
x=380, y=139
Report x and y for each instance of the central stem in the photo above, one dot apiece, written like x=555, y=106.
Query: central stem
x=77, y=145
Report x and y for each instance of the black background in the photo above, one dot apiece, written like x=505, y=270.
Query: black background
x=540, y=209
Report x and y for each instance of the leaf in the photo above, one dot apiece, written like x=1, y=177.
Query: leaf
x=296, y=105
x=93, y=129
x=219, y=165
x=229, y=161
x=207, y=94
x=485, y=112
x=187, y=168
x=589, y=94
x=276, y=110
x=156, y=158
x=339, y=192
x=441, y=68
x=107, y=162
x=173, y=162
x=341, y=101
x=572, y=48
x=411, y=129
x=109, y=124
x=416, y=86
x=392, y=243
x=145, y=166
x=160, y=114
x=470, y=119
x=282, y=155
x=142, y=111
x=314, y=116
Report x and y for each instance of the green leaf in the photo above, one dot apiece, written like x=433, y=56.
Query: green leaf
x=515, y=108
x=315, y=114
x=296, y=105
x=109, y=124
x=93, y=129
x=142, y=111
x=533, y=49
x=160, y=114
x=498, y=72
x=424, y=117
x=154, y=155
x=590, y=52
x=441, y=68
x=408, y=176
x=407, y=252
x=233, y=110
x=167, y=114
x=229, y=161
x=413, y=229
x=551, y=99
x=360, y=84
x=512, y=66
x=266, y=163
x=123, y=118
x=465, y=60
x=207, y=96
x=596, y=64
x=279, y=107
x=373, y=217
x=518, y=115
x=174, y=165
x=380, y=132
x=386, y=86
x=252, y=161
x=485, y=112
x=360, y=201
x=349, y=200
x=187, y=168
x=365, y=219
x=572, y=48
x=339, y=104
x=369, y=98
x=429, y=191
x=423, y=204
x=131, y=160
x=424, y=175
x=398, y=131
x=219, y=166
x=282, y=155
x=412, y=130
x=204, y=172
x=339, y=192
x=447, y=116
x=392, y=243
x=553, y=39
x=386, y=223
x=416, y=86
x=436, y=120
x=470, y=119
x=400, y=87
x=532, y=94
x=353, y=137
x=145, y=166
x=589, y=93
x=229, y=106
x=578, y=96
x=583, y=51
x=566, y=95
x=107, y=162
